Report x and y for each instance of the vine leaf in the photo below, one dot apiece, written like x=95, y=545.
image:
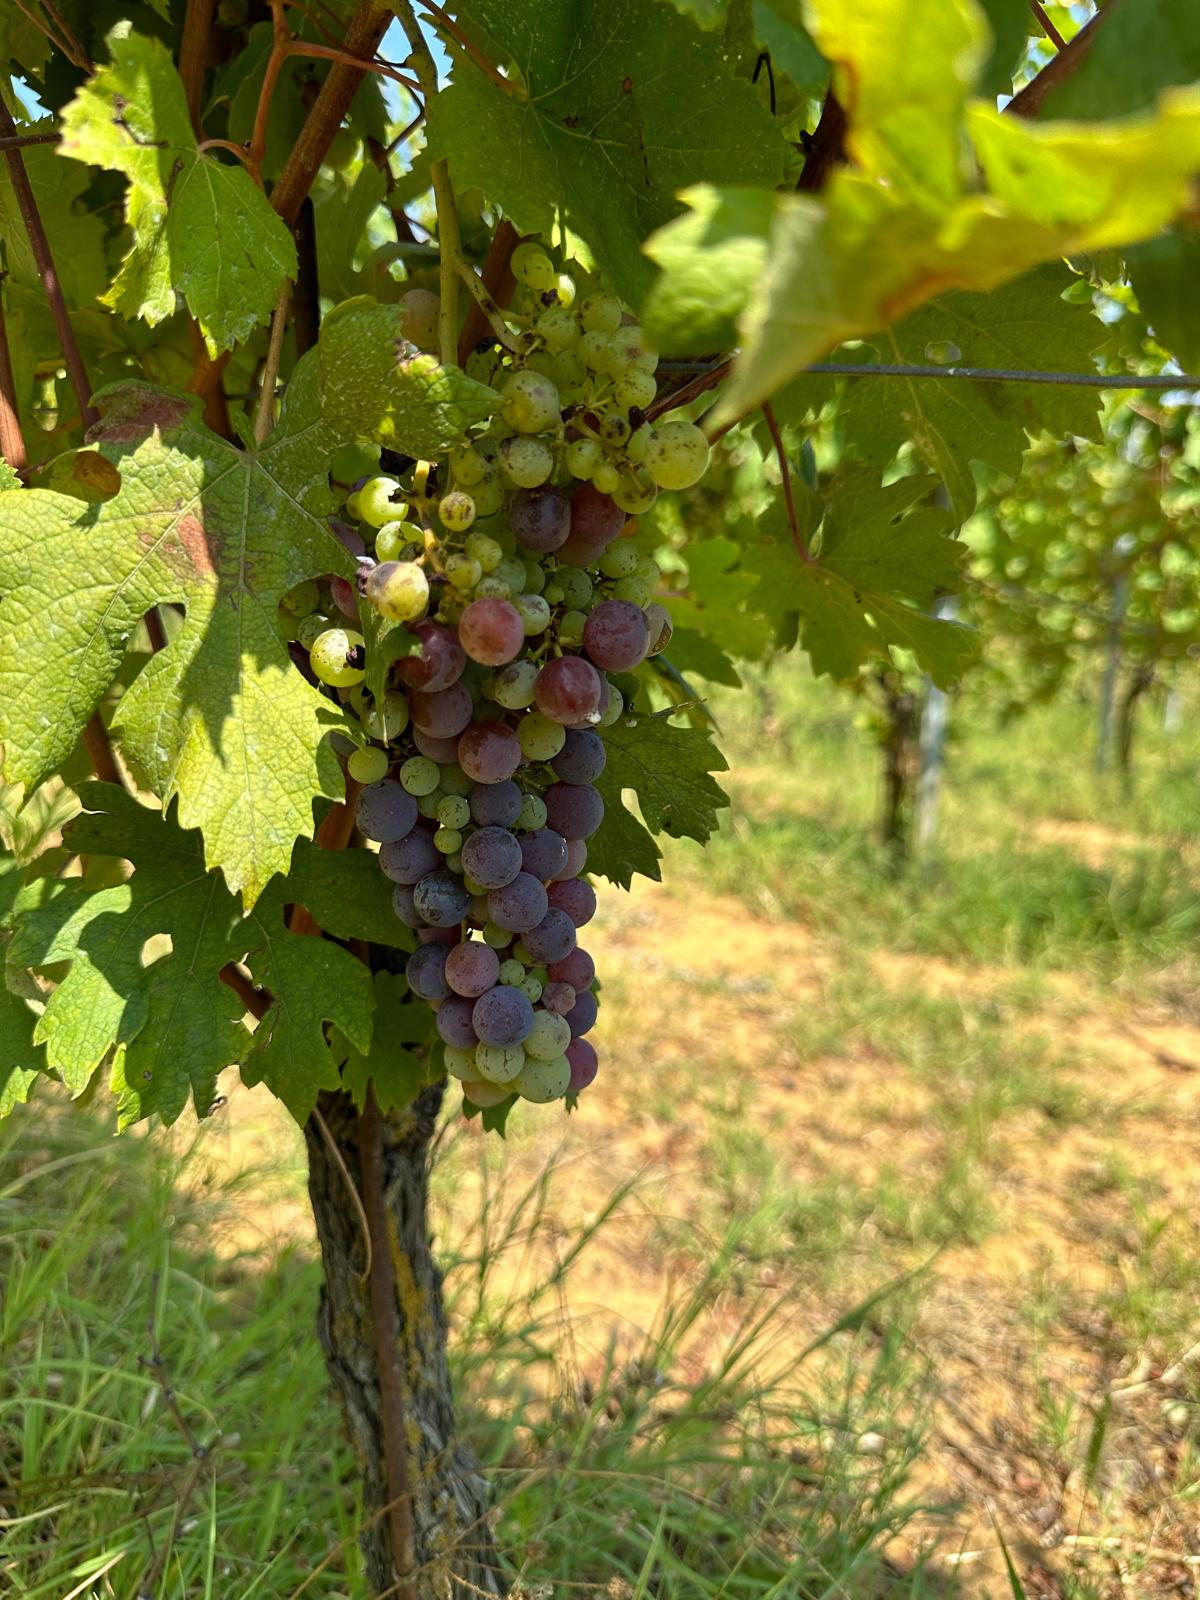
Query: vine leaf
x=669, y=769
x=220, y=717
x=876, y=546
x=626, y=103
x=1022, y=325
x=397, y=1073
x=200, y=225
x=347, y=894
x=76, y=230
x=1137, y=52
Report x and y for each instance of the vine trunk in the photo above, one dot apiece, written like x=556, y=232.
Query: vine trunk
x=453, y=1552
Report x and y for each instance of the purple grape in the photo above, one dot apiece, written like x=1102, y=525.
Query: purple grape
x=443, y=751
x=574, y=809
x=575, y=897
x=438, y=935
x=503, y=1016
x=441, y=899
x=552, y=939
x=344, y=598
x=540, y=518
x=617, y=635
x=582, y=758
x=491, y=631
x=496, y=804
x=402, y=905
x=426, y=972
x=489, y=752
x=558, y=997
x=584, y=1063
x=442, y=714
x=519, y=905
x=438, y=663
x=544, y=853
x=454, y=1024
x=582, y=1015
x=578, y=969
x=385, y=812
x=576, y=857
x=492, y=857
x=471, y=968
x=596, y=520
x=570, y=690
x=407, y=860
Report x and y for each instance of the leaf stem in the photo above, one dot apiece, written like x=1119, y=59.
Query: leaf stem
x=498, y=283
x=324, y=52
x=1047, y=27
x=20, y=140
x=449, y=26
x=491, y=311
x=1027, y=102
x=12, y=440
x=40, y=245
x=785, y=473
x=69, y=45
x=265, y=414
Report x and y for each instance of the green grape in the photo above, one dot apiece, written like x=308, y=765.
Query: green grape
x=454, y=863
x=389, y=541
x=614, y=429
x=533, y=267
x=636, y=492
x=535, y=576
x=447, y=840
x=311, y=629
x=375, y=503
x=460, y=1062
x=559, y=328
x=533, y=813
x=634, y=387
x=427, y=804
x=619, y=560
x=677, y=455
x=531, y=402
x=539, y=738
x=564, y=289
x=462, y=572
x=353, y=508
x=661, y=627
x=630, y=347
x=301, y=598
x=647, y=568
x=512, y=686
x=338, y=657
x=543, y=362
x=482, y=365
x=534, y=613
x=601, y=313
x=419, y=775
x=481, y=1093
x=525, y=461
x=570, y=374
x=457, y=511
x=369, y=765
x=489, y=496
x=511, y=972
x=387, y=718
x=497, y=937
x=475, y=890
x=554, y=593
x=512, y=572
x=639, y=443
x=606, y=477
x=521, y=953
x=549, y=1036
x=570, y=627
x=483, y=548
x=543, y=1081
x=583, y=457
x=593, y=350
x=454, y=811
x=639, y=591
x=499, y=1063
x=576, y=586
x=419, y=321
x=492, y=588
x=614, y=708
x=398, y=590
x=532, y=988
x=455, y=781
x=468, y=466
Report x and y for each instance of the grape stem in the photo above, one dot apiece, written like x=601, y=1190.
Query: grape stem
x=264, y=416
x=785, y=473
x=491, y=311
x=193, y=57
x=450, y=254
x=1047, y=27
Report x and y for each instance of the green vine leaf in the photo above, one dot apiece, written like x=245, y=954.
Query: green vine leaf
x=625, y=103
x=397, y=1073
x=201, y=227
x=347, y=894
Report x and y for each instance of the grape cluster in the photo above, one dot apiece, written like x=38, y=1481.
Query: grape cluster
x=512, y=568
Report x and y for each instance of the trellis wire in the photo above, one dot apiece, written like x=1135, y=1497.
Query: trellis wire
x=880, y=369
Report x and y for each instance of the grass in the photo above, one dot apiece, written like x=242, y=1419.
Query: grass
x=879, y=1223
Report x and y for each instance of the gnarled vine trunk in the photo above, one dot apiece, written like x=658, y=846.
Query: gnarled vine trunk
x=453, y=1553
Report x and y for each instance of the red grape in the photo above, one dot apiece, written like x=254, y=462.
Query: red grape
x=491, y=631
x=617, y=635
x=439, y=661
x=569, y=690
x=489, y=752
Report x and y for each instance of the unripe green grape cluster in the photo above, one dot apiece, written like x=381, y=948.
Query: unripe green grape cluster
x=525, y=605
